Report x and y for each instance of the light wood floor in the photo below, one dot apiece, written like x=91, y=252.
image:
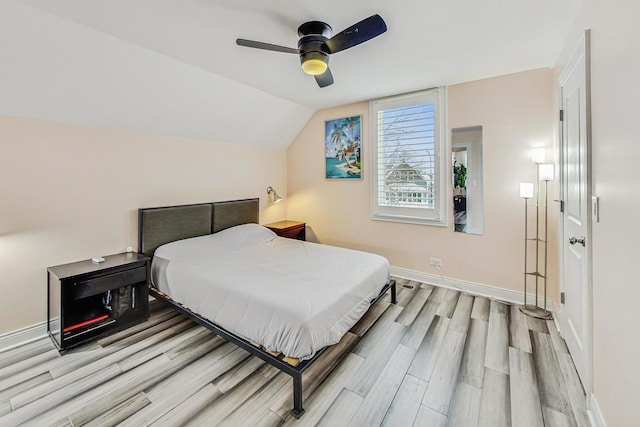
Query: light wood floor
x=437, y=358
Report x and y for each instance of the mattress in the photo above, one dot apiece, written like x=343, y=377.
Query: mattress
x=287, y=295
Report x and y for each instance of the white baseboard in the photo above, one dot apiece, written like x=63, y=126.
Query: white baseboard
x=23, y=336
x=507, y=295
x=595, y=414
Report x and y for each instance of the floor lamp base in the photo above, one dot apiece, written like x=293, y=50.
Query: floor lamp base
x=535, y=311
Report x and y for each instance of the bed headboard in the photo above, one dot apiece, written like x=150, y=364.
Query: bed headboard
x=157, y=226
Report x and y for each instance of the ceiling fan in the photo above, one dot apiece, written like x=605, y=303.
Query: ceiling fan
x=316, y=44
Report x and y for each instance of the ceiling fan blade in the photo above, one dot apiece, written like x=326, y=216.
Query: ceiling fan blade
x=325, y=79
x=358, y=33
x=266, y=46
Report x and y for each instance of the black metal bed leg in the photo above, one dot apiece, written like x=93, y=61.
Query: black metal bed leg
x=297, y=410
x=393, y=292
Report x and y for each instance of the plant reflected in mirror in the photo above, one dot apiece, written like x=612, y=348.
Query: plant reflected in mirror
x=466, y=168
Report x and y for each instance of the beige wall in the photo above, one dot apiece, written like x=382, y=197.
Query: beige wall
x=615, y=68
x=515, y=112
x=72, y=192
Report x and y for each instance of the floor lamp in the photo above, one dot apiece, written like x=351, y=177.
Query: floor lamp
x=544, y=173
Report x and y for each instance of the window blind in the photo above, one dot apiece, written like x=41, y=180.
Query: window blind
x=407, y=181
x=406, y=156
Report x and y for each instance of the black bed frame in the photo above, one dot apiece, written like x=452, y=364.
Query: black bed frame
x=157, y=226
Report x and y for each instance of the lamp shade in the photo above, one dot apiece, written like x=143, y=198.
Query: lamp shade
x=538, y=155
x=276, y=197
x=526, y=190
x=545, y=172
x=274, y=193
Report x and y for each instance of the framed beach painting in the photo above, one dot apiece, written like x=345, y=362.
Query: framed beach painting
x=343, y=148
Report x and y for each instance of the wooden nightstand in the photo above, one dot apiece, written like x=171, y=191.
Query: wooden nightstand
x=88, y=300
x=290, y=229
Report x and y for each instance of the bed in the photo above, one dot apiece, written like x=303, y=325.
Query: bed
x=212, y=262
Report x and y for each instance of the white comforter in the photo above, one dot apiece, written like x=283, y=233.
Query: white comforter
x=289, y=296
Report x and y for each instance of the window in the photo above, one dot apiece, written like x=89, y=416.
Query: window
x=408, y=173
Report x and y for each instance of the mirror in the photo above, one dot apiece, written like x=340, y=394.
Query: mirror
x=466, y=165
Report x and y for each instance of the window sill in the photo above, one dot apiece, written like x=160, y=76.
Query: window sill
x=410, y=220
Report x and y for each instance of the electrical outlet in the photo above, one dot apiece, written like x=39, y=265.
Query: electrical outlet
x=437, y=262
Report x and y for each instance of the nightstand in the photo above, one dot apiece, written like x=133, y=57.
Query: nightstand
x=89, y=300
x=290, y=229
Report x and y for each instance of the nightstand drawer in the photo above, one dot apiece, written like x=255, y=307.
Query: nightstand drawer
x=98, y=285
x=289, y=229
x=292, y=233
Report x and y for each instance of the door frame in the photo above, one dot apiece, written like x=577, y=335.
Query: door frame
x=582, y=50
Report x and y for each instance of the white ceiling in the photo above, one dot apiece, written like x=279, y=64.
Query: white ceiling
x=428, y=43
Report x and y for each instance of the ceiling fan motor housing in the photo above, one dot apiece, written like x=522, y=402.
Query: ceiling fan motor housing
x=315, y=27
x=313, y=49
x=313, y=36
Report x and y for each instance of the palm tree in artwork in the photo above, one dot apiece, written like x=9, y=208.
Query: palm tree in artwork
x=350, y=123
x=337, y=137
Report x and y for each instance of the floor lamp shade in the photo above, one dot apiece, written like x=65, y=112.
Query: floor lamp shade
x=538, y=155
x=546, y=172
x=526, y=190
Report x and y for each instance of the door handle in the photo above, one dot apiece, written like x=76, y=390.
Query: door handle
x=573, y=240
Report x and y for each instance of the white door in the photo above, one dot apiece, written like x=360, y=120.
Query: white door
x=576, y=218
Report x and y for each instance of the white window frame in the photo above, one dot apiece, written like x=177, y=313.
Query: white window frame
x=438, y=215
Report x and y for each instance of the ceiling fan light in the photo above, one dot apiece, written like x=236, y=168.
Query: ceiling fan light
x=314, y=63
x=314, y=67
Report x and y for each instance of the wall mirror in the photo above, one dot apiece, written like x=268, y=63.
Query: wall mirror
x=466, y=165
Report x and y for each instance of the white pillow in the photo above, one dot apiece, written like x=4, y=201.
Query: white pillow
x=245, y=234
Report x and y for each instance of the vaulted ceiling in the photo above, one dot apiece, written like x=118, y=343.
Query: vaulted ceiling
x=172, y=67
